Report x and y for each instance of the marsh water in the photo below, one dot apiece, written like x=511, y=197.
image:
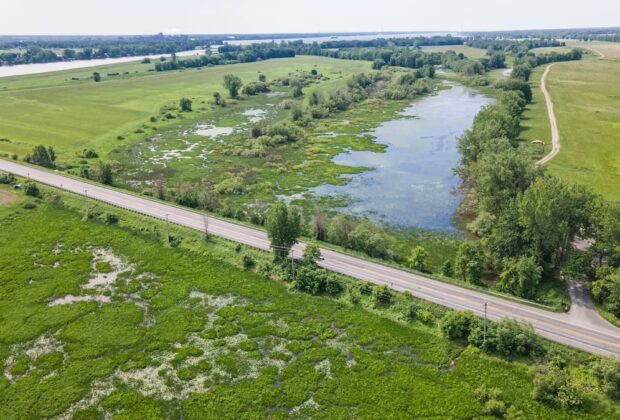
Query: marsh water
x=412, y=183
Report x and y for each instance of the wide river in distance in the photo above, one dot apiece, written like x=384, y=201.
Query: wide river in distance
x=412, y=183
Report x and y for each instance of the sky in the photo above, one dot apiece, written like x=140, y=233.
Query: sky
x=110, y=17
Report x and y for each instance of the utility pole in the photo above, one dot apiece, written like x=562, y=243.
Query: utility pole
x=167, y=230
x=205, y=219
x=484, y=339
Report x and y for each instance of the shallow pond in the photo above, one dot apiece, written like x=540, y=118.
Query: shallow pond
x=412, y=183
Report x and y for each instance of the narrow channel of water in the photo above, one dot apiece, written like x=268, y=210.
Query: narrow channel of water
x=412, y=183
x=36, y=68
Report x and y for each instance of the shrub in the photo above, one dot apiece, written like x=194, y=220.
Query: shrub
x=555, y=387
x=366, y=288
x=316, y=281
x=495, y=408
x=607, y=373
x=248, y=262
x=412, y=312
x=255, y=88
x=185, y=104
x=111, y=218
x=31, y=189
x=458, y=325
x=507, y=337
x=6, y=178
x=29, y=205
x=383, y=296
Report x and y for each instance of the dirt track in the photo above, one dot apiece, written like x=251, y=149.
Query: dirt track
x=555, y=134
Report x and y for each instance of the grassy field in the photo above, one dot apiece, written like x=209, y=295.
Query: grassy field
x=534, y=122
x=103, y=319
x=547, y=50
x=468, y=51
x=54, y=109
x=609, y=50
x=586, y=96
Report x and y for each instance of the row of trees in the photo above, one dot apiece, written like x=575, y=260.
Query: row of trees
x=27, y=53
x=526, y=218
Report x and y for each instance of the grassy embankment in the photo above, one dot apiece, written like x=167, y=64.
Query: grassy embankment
x=186, y=332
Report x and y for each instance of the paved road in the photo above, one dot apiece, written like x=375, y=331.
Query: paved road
x=555, y=134
x=586, y=333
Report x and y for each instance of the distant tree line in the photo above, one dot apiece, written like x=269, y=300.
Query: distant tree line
x=512, y=46
x=390, y=42
x=30, y=53
x=229, y=54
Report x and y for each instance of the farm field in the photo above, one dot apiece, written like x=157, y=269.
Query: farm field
x=102, y=318
x=468, y=51
x=586, y=97
x=55, y=110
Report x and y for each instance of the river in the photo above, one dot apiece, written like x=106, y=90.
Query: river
x=26, y=69
x=412, y=183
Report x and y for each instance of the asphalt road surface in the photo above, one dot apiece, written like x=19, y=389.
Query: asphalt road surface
x=581, y=328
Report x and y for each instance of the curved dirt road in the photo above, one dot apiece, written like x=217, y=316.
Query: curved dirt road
x=555, y=134
x=583, y=333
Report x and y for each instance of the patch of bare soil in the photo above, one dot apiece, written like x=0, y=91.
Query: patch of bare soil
x=7, y=197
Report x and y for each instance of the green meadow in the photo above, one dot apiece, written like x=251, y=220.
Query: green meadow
x=100, y=318
x=586, y=97
x=69, y=111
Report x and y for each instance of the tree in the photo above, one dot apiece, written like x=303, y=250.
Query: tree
x=315, y=98
x=283, y=228
x=447, y=269
x=551, y=213
x=470, y=262
x=97, y=76
x=312, y=254
x=42, y=156
x=500, y=177
x=297, y=89
x=262, y=78
x=606, y=231
x=217, y=98
x=417, y=260
x=232, y=83
x=521, y=71
x=521, y=277
x=185, y=104
x=319, y=225
x=104, y=173
x=606, y=291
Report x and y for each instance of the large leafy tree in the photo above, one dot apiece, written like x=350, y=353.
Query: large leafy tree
x=232, y=83
x=551, y=213
x=499, y=177
x=283, y=227
x=521, y=277
x=470, y=262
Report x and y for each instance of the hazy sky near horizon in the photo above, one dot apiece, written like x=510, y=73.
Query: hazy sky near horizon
x=58, y=17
